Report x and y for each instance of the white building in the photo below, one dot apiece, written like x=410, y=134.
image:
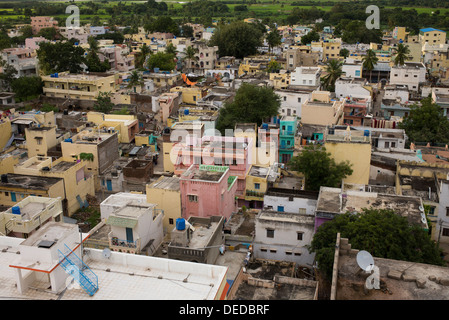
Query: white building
x=411, y=74
x=353, y=88
x=352, y=68
x=292, y=100
x=306, y=76
x=118, y=200
x=283, y=236
x=442, y=225
x=134, y=226
x=397, y=92
x=291, y=201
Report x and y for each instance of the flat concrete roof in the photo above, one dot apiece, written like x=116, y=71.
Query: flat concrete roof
x=168, y=183
x=24, y=181
x=122, y=276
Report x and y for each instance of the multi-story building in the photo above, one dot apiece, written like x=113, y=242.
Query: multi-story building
x=39, y=23
x=208, y=190
x=306, y=76
x=16, y=187
x=233, y=152
x=28, y=215
x=98, y=147
x=78, y=182
x=165, y=193
x=24, y=60
x=353, y=146
x=354, y=88
x=126, y=126
x=287, y=131
x=85, y=86
x=322, y=109
x=207, y=56
x=432, y=36
x=411, y=74
x=329, y=49
x=355, y=111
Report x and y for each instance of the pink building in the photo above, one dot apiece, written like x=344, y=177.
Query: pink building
x=33, y=43
x=233, y=152
x=208, y=190
x=38, y=23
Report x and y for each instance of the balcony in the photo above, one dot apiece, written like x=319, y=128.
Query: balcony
x=126, y=246
x=254, y=195
x=287, y=133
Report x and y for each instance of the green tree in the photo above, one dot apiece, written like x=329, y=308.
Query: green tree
x=383, y=233
x=238, y=39
x=171, y=49
x=273, y=66
x=49, y=33
x=161, y=60
x=402, y=52
x=135, y=80
x=27, y=88
x=103, y=103
x=251, y=104
x=7, y=76
x=369, y=60
x=426, y=123
x=344, y=53
x=93, y=61
x=274, y=39
x=309, y=37
x=142, y=56
x=319, y=168
x=333, y=71
x=60, y=57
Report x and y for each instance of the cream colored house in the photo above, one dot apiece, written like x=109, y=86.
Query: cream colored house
x=322, y=109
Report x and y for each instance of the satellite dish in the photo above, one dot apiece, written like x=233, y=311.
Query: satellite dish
x=106, y=253
x=365, y=260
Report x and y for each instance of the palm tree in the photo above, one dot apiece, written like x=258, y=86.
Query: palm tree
x=190, y=55
x=171, y=49
x=402, y=52
x=135, y=79
x=369, y=60
x=144, y=52
x=333, y=71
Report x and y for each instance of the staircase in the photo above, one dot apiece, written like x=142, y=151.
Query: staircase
x=75, y=267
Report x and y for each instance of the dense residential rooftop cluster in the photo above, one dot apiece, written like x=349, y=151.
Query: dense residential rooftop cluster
x=124, y=171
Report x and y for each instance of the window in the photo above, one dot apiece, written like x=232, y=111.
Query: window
x=299, y=99
x=170, y=220
x=285, y=98
x=302, y=210
x=270, y=233
x=257, y=186
x=281, y=208
x=445, y=232
x=263, y=249
x=193, y=198
x=447, y=211
x=299, y=235
x=273, y=250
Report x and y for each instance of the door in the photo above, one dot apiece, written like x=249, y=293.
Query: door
x=13, y=197
x=109, y=185
x=129, y=235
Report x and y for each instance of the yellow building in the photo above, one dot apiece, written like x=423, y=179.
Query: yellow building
x=190, y=95
x=165, y=193
x=78, y=183
x=84, y=86
x=16, y=187
x=7, y=162
x=400, y=33
x=98, y=147
x=253, y=65
x=330, y=48
x=5, y=132
x=256, y=183
x=29, y=214
x=432, y=36
x=352, y=146
x=322, y=110
x=280, y=80
x=166, y=80
x=39, y=140
x=127, y=126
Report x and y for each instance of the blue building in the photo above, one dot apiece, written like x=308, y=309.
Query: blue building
x=287, y=132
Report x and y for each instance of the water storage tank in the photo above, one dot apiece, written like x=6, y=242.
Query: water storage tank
x=366, y=133
x=265, y=126
x=186, y=112
x=68, y=140
x=15, y=210
x=180, y=224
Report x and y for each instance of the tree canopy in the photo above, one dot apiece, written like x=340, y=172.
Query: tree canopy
x=319, y=168
x=426, y=123
x=251, y=104
x=163, y=61
x=238, y=39
x=383, y=233
x=60, y=57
